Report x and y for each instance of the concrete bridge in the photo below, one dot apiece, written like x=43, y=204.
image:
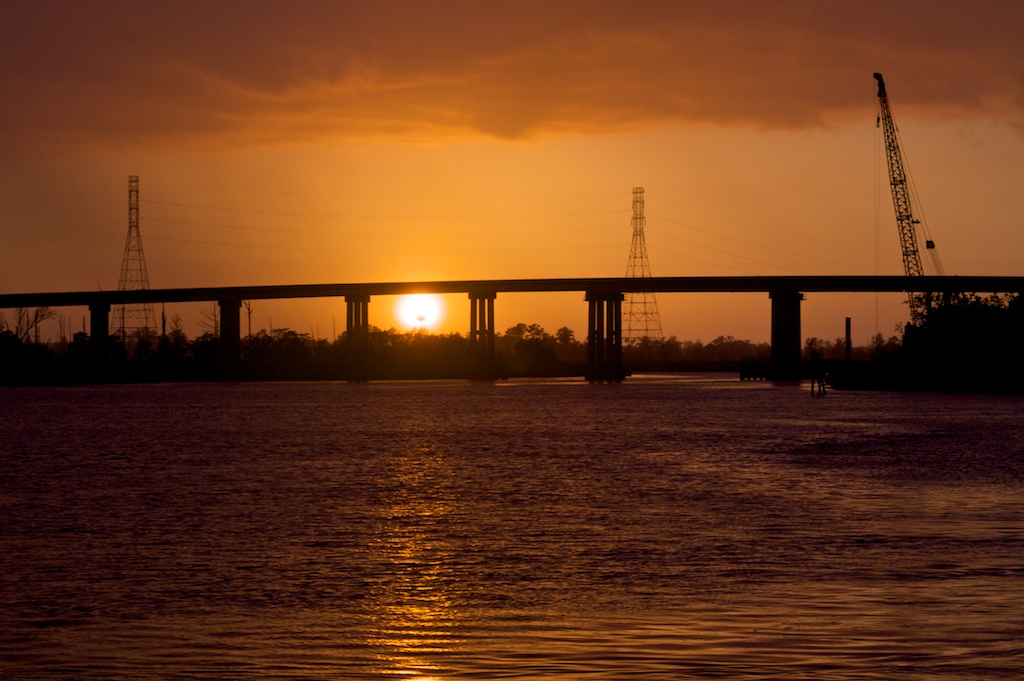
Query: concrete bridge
x=603, y=295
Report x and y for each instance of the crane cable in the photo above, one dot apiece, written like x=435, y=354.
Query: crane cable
x=917, y=208
x=878, y=201
x=933, y=253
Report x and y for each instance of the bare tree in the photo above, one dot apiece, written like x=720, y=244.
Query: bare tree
x=210, y=319
x=26, y=322
x=248, y=313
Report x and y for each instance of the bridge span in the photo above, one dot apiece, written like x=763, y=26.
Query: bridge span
x=603, y=295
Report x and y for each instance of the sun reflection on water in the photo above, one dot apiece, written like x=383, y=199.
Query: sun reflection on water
x=415, y=620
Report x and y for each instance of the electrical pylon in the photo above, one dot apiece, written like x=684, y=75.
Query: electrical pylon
x=137, y=320
x=640, y=317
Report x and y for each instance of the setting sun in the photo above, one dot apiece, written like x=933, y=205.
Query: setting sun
x=420, y=311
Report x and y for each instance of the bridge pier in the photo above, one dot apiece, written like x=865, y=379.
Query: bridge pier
x=604, y=337
x=357, y=317
x=481, y=333
x=357, y=333
x=99, y=332
x=786, y=340
x=230, y=335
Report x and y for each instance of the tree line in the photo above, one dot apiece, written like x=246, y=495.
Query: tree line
x=286, y=354
x=968, y=342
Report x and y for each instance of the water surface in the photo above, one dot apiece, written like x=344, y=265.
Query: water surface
x=694, y=527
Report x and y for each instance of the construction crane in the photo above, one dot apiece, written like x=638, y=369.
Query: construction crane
x=920, y=303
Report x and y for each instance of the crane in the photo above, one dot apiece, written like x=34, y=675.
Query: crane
x=920, y=303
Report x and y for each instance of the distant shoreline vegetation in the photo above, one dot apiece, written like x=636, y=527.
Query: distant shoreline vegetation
x=968, y=343
x=284, y=354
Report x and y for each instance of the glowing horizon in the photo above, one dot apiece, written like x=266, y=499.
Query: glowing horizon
x=349, y=145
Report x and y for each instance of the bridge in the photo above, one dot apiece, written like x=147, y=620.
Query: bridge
x=603, y=295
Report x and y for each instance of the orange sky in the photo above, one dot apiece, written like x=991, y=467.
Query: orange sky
x=341, y=142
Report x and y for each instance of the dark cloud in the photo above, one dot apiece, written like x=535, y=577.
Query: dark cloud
x=242, y=73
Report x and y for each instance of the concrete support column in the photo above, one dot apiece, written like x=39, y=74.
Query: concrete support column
x=357, y=333
x=99, y=331
x=604, y=337
x=613, y=331
x=230, y=334
x=357, y=317
x=481, y=333
x=787, y=342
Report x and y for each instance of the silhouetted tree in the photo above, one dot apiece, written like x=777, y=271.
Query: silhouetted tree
x=209, y=319
x=27, y=321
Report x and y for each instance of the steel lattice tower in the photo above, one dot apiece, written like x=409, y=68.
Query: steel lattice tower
x=640, y=317
x=135, y=320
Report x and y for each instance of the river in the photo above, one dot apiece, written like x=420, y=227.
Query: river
x=667, y=527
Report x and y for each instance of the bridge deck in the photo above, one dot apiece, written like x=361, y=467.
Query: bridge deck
x=746, y=284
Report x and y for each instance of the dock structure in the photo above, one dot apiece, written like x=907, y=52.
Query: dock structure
x=754, y=368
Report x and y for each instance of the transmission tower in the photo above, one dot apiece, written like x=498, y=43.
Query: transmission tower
x=640, y=317
x=136, y=320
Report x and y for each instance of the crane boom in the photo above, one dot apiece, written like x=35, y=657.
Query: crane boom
x=905, y=222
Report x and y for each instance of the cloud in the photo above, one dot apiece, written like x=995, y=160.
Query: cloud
x=240, y=74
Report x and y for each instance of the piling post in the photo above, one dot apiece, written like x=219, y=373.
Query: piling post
x=817, y=374
x=849, y=343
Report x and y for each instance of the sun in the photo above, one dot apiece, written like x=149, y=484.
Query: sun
x=420, y=311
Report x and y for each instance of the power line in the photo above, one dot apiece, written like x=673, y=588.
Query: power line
x=357, y=216
x=439, y=197
x=341, y=231
x=421, y=251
